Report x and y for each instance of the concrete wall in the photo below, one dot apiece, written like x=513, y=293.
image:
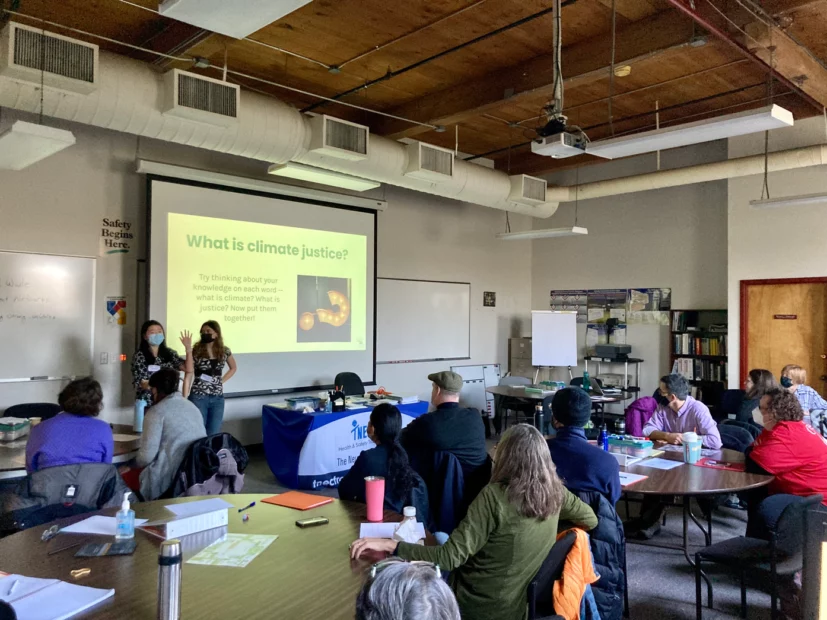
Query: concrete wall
x=785, y=242
x=56, y=207
x=672, y=238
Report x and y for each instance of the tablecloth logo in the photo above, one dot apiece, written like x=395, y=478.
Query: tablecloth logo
x=359, y=432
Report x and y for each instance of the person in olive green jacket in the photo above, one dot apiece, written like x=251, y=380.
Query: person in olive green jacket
x=509, y=530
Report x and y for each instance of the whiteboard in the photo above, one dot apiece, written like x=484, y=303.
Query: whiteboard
x=553, y=338
x=419, y=320
x=46, y=316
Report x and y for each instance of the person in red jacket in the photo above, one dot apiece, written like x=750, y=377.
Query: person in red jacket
x=788, y=449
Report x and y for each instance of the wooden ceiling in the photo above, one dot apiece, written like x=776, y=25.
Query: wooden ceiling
x=483, y=68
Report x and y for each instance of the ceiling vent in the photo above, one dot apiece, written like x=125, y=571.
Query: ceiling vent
x=527, y=190
x=201, y=99
x=429, y=163
x=338, y=138
x=31, y=54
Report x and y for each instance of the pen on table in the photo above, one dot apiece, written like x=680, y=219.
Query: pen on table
x=250, y=505
x=12, y=588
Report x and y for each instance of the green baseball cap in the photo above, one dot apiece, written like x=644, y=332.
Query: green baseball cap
x=447, y=380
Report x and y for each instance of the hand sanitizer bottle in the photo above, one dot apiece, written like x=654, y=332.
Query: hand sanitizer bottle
x=125, y=520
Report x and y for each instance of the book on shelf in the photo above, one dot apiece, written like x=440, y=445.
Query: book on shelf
x=688, y=344
x=700, y=370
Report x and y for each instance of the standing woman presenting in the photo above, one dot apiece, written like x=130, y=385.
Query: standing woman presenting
x=154, y=354
x=207, y=393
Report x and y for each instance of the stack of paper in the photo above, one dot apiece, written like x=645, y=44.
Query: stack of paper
x=48, y=598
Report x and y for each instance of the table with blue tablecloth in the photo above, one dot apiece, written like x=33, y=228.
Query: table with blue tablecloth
x=315, y=450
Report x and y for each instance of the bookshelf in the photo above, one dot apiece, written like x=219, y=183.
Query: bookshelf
x=698, y=346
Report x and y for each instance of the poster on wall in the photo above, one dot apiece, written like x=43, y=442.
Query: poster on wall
x=116, y=311
x=649, y=306
x=571, y=301
x=605, y=304
x=116, y=236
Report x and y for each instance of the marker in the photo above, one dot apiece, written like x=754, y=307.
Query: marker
x=13, y=587
x=247, y=507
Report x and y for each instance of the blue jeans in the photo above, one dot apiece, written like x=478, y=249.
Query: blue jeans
x=212, y=410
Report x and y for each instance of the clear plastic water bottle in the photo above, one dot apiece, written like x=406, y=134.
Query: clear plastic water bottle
x=587, y=384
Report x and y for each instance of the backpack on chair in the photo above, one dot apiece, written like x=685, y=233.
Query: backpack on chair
x=212, y=466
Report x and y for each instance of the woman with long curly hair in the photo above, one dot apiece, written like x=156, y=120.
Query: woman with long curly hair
x=509, y=530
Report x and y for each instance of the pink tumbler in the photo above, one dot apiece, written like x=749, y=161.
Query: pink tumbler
x=375, y=498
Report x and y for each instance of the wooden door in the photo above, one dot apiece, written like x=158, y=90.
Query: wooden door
x=786, y=323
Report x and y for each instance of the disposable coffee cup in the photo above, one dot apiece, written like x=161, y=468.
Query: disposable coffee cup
x=691, y=448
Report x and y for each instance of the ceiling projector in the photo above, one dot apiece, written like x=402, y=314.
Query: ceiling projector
x=560, y=145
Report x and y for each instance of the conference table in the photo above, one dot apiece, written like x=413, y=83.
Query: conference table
x=305, y=573
x=13, y=453
x=315, y=450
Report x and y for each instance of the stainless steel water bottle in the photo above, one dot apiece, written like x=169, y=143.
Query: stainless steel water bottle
x=169, y=580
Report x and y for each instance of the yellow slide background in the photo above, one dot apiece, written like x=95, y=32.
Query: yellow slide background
x=232, y=279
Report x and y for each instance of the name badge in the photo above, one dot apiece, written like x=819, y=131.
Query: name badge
x=207, y=378
x=154, y=368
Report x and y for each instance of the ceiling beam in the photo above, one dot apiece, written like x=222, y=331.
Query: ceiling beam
x=176, y=39
x=582, y=63
x=788, y=60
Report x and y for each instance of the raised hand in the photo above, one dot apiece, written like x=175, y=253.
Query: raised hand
x=186, y=339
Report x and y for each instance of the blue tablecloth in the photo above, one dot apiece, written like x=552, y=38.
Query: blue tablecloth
x=313, y=450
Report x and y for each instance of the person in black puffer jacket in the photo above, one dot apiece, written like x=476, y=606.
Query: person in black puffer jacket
x=608, y=544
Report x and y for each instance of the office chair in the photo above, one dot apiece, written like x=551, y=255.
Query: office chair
x=515, y=404
x=782, y=554
x=44, y=411
x=350, y=384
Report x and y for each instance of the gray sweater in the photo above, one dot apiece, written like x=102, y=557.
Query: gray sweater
x=169, y=429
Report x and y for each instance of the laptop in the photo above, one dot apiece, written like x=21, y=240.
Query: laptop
x=594, y=388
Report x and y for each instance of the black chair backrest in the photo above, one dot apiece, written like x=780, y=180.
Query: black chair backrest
x=731, y=401
x=540, y=590
x=33, y=410
x=789, y=531
x=753, y=429
x=350, y=383
x=734, y=437
x=547, y=413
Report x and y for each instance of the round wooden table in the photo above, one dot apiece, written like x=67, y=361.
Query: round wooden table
x=305, y=573
x=688, y=481
x=13, y=455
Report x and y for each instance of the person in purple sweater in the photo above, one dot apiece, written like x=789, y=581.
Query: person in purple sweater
x=74, y=435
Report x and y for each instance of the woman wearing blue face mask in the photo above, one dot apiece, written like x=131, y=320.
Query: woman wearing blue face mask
x=154, y=354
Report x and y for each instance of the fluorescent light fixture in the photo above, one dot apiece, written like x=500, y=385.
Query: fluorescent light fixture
x=729, y=126
x=790, y=201
x=229, y=18
x=318, y=175
x=571, y=231
x=24, y=144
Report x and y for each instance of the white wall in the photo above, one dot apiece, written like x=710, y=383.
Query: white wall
x=672, y=238
x=788, y=242
x=56, y=206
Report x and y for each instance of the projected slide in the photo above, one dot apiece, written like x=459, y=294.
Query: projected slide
x=275, y=289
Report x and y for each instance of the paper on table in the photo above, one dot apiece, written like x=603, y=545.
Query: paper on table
x=197, y=508
x=626, y=478
x=105, y=526
x=49, y=599
x=234, y=550
x=384, y=530
x=659, y=463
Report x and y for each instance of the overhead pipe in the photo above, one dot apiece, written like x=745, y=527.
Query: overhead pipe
x=716, y=171
x=129, y=99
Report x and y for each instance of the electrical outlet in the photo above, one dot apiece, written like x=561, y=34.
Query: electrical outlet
x=104, y=358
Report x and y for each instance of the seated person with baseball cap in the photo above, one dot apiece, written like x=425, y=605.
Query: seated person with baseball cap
x=582, y=466
x=450, y=428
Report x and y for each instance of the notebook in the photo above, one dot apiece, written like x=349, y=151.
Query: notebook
x=49, y=599
x=298, y=500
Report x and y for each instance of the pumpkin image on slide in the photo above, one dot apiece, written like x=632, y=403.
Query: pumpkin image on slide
x=323, y=309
